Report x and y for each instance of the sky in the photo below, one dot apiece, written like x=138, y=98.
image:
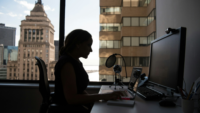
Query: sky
x=79, y=14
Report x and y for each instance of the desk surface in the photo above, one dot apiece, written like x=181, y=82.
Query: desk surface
x=141, y=106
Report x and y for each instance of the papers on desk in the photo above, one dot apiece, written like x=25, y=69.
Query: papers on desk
x=126, y=95
x=121, y=102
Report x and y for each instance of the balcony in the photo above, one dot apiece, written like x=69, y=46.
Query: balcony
x=136, y=51
x=110, y=3
x=106, y=35
x=116, y=18
x=138, y=30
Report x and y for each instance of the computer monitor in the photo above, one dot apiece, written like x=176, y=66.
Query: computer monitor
x=167, y=60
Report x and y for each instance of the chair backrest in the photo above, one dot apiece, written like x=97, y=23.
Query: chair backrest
x=43, y=82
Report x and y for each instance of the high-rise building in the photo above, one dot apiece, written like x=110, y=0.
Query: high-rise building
x=1, y=54
x=36, y=39
x=56, y=43
x=8, y=34
x=10, y=54
x=127, y=27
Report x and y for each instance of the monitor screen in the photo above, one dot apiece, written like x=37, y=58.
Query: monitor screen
x=167, y=60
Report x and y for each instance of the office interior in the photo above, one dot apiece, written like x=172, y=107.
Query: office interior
x=26, y=98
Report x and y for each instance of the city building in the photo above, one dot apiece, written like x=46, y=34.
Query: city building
x=1, y=54
x=36, y=39
x=127, y=27
x=56, y=43
x=8, y=34
x=10, y=54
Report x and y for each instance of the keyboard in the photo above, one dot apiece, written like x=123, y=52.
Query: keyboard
x=148, y=93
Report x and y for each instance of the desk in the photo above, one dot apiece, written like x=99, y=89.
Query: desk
x=141, y=106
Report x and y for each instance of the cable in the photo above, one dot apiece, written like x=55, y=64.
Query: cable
x=124, y=63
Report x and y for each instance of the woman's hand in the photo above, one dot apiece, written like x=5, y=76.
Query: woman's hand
x=114, y=95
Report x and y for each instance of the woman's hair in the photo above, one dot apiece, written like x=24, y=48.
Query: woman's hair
x=75, y=37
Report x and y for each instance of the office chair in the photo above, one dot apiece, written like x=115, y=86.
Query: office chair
x=44, y=86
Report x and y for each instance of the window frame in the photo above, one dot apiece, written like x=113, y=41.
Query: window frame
x=61, y=43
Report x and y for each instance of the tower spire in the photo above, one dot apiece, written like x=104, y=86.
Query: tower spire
x=40, y=1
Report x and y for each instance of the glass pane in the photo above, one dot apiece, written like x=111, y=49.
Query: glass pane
x=102, y=61
x=126, y=41
x=117, y=10
x=103, y=27
x=135, y=21
x=135, y=61
x=102, y=44
x=116, y=44
x=135, y=41
x=102, y=10
x=126, y=21
x=134, y=3
x=127, y=61
x=109, y=27
x=143, y=21
x=143, y=3
x=126, y=3
x=117, y=27
x=144, y=61
x=109, y=44
x=110, y=10
x=143, y=40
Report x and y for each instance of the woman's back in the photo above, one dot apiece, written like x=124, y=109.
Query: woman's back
x=81, y=78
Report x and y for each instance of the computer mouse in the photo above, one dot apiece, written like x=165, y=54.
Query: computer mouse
x=167, y=103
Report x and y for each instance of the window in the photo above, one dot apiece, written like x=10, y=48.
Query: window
x=143, y=21
x=102, y=44
x=102, y=61
x=135, y=41
x=135, y=3
x=134, y=21
x=126, y=21
x=126, y=41
x=41, y=32
x=110, y=10
x=127, y=61
x=143, y=41
x=126, y=3
x=116, y=44
x=109, y=44
x=110, y=27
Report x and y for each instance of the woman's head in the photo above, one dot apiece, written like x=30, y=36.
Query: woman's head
x=78, y=40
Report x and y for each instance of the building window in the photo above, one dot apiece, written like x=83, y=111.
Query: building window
x=41, y=31
x=37, y=39
x=109, y=44
x=126, y=21
x=110, y=10
x=136, y=3
x=134, y=21
x=33, y=38
x=143, y=21
x=37, y=31
x=27, y=76
x=151, y=37
x=110, y=27
x=143, y=41
x=23, y=76
x=126, y=41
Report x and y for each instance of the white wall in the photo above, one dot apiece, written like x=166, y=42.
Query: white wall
x=185, y=13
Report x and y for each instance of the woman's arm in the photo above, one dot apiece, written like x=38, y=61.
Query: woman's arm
x=68, y=79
